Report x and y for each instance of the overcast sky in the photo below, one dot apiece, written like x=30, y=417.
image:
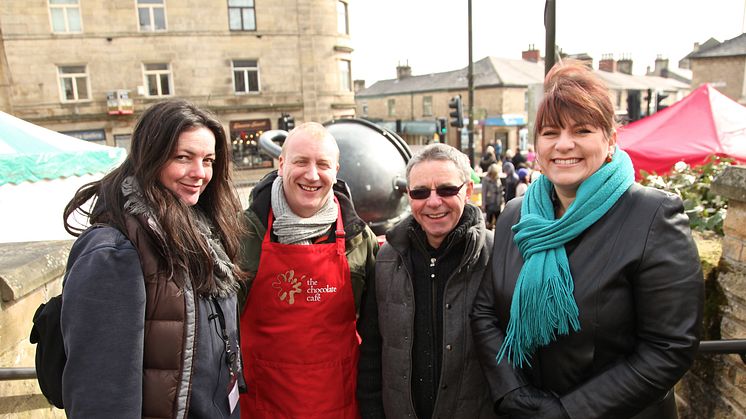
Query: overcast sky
x=431, y=35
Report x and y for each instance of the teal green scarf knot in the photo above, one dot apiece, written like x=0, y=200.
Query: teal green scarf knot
x=543, y=304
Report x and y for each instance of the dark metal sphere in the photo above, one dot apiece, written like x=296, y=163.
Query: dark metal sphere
x=373, y=163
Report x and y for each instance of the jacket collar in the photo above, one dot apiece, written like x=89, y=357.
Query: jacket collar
x=470, y=228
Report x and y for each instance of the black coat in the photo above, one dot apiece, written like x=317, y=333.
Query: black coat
x=639, y=290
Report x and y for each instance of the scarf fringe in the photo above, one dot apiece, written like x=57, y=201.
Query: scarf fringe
x=543, y=305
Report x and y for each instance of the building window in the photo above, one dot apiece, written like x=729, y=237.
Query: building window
x=365, y=108
x=245, y=76
x=345, y=76
x=157, y=79
x=427, y=106
x=151, y=15
x=74, y=83
x=241, y=15
x=342, y=25
x=65, y=16
x=391, y=105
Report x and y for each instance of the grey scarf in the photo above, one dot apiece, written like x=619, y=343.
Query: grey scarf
x=135, y=204
x=293, y=229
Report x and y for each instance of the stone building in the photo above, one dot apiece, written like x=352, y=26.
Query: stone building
x=506, y=94
x=89, y=68
x=500, y=101
x=722, y=64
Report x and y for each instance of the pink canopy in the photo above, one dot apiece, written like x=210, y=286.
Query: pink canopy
x=702, y=124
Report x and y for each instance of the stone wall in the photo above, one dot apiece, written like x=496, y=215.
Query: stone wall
x=715, y=387
x=30, y=273
x=725, y=73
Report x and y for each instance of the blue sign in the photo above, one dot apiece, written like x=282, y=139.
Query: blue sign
x=505, y=120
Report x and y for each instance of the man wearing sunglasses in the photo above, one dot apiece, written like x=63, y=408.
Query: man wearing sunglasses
x=417, y=357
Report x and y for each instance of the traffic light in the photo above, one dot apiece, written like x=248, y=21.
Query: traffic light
x=285, y=122
x=456, y=112
x=660, y=97
x=442, y=128
x=290, y=123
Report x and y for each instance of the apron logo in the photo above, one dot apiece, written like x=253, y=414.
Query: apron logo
x=287, y=286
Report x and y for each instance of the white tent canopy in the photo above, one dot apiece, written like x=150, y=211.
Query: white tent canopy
x=40, y=170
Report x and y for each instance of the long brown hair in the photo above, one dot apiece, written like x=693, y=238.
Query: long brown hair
x=154, y=140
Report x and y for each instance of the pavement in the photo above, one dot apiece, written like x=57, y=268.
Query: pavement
x=245, y=179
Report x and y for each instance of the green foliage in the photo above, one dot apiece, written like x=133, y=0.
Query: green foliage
x=706, y=211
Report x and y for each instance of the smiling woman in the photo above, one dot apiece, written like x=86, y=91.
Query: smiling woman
x=189, y=170
x=575, y=130
x=594, y=303
x=161, y=250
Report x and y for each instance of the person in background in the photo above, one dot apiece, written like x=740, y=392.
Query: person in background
x=492, y=195
x=498, y=150
x=488, y=159
x=530, y=156
x=149, y=316
x=510, y=181
x=509, y=154
x=308, y=257
x=519, y=160
x=594, y=302
x=417, y=356
x=522, y=186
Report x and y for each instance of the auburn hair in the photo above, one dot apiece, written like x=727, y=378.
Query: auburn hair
x=573, y=92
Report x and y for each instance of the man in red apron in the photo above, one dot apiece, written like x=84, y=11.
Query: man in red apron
x=308, y=256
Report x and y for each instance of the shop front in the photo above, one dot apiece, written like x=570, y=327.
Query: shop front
x=244, y=141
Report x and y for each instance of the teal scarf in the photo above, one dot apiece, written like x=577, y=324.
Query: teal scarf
x=543, y=304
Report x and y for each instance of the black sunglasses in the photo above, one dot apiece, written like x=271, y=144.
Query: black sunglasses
x=442, y=191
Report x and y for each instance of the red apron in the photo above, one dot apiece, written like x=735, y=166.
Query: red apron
x=298, y=337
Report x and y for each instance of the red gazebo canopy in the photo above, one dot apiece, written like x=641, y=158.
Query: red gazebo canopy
x=702, y=124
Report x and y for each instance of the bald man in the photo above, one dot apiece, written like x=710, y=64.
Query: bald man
x=309, y=257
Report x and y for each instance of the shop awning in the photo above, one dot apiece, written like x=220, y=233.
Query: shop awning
x=505, y=120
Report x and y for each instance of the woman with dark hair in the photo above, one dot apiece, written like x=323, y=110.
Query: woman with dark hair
x=149, y=298
x=593, y=305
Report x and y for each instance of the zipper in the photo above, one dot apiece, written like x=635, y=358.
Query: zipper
x=434, y=322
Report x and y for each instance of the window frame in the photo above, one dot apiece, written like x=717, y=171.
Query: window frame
x=391, y=107
x=345, y=83
x=345, y=14
x=245, y=70
x=241, y=13
x=169, y=72
x=75, y=77
x=64, y=7
x=151, y=7
x=427, y=110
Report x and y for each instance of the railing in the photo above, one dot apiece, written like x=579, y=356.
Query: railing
x=725, y=346
x=17, y=373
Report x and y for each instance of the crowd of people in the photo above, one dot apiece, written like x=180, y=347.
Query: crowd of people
x=505, y=177
x=573, y=292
